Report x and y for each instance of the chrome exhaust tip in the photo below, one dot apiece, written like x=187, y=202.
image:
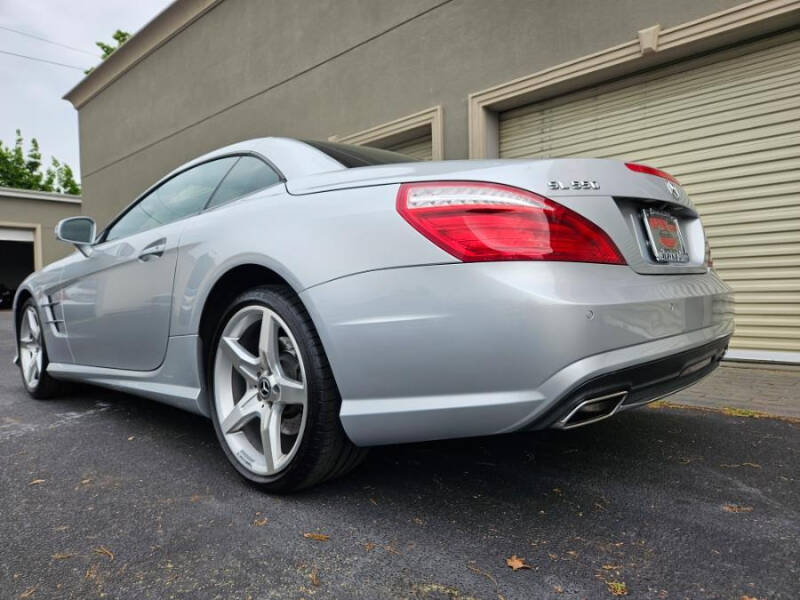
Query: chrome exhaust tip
x=593, y=410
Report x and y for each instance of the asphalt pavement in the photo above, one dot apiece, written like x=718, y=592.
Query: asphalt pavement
x=106, y=495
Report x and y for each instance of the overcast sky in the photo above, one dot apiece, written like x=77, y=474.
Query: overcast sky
x=30, y=95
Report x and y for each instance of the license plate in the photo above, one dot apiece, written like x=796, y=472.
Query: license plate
x=664, y=236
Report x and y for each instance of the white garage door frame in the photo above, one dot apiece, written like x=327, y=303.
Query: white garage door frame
x=652, y=47
x=36, y=230
x=404, y=132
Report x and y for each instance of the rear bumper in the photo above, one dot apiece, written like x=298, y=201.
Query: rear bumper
x=634, y=386
x=461, y=350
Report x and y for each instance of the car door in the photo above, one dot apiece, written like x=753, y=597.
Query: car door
x=117, y=302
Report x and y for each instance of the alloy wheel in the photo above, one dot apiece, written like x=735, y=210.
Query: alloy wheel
x=260, y=390
x=30, y=347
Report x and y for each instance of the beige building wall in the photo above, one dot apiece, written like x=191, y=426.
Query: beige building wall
x=247, y=68
x=39, y=212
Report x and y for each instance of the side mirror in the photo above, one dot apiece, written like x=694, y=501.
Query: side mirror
x=78, y=231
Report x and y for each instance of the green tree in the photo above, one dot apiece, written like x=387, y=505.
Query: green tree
x=120, y=37
x=19, y=169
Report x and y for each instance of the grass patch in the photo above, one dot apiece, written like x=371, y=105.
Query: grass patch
x=731, y=412
x=617, y=588
x=743, y=412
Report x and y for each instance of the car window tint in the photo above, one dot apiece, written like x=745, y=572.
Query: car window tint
x=182, y=196
x=247, y=176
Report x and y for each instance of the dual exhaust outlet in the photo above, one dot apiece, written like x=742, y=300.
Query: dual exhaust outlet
x=593, y=410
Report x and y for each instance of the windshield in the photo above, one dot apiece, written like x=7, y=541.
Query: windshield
x=359, y=156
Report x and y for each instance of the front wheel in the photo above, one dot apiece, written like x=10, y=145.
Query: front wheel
x=33, y=359
x=275, y=405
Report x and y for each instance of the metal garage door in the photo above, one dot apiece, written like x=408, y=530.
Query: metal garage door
x=15, y=234
x=728, y=127
x=420, y=148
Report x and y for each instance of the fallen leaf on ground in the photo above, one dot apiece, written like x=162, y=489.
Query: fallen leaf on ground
x=314, y=577
x=320, y=537
x=572, y=553
x=744, y=464
x=29, y=592
x=749, y=598
x=91, y=572
x=617, y=588
x=370, y=546
x=62, y=555
x=736, y=508
x=260, y=522
x=104, y=551
x=37, y=481
x=611, y=567
x=391, y=549
x=516, y=563
x=558, y=589
x=86, y=481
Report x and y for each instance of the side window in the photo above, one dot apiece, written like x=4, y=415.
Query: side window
x=247, y=176
x=182, y=196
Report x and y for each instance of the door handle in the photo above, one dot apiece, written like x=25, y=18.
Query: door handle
x=153, y=250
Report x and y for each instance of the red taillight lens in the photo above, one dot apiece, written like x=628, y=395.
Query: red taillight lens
x=477, y=221
x=651, y=171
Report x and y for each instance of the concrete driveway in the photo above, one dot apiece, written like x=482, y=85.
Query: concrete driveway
x=106, y=495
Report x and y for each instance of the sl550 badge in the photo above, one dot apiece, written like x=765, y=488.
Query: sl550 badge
x=576, y=184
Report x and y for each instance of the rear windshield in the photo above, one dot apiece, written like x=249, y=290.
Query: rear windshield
x=359, y=156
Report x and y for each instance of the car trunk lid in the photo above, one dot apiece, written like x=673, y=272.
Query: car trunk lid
x=607, y=192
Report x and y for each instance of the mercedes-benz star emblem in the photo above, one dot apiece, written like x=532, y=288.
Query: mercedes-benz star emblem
x=674, y=190
x=264, y=388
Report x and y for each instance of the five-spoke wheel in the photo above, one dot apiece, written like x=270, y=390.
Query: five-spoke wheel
x=260, y=390
x=30, y=347
x=274, y=402
x=32, y=354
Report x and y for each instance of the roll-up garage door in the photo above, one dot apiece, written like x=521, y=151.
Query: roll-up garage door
x=14, y=234
x=728, y=127
x=420, y=147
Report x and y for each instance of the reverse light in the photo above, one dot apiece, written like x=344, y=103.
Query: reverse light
x=477, y=221
x=651, y=171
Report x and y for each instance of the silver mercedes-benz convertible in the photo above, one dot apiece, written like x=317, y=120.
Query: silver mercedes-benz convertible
x=314, y=299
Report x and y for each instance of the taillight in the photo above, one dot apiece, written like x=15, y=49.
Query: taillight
x=651, y=171
x=477, y=221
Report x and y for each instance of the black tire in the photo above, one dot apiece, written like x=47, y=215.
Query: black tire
x=46, y=387
x=325, y=451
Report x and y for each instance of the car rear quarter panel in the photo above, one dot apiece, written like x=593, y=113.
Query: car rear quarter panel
x=307, y=240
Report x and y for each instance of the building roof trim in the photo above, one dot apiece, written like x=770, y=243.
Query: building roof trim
x=157, y=32
x=20, y=194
